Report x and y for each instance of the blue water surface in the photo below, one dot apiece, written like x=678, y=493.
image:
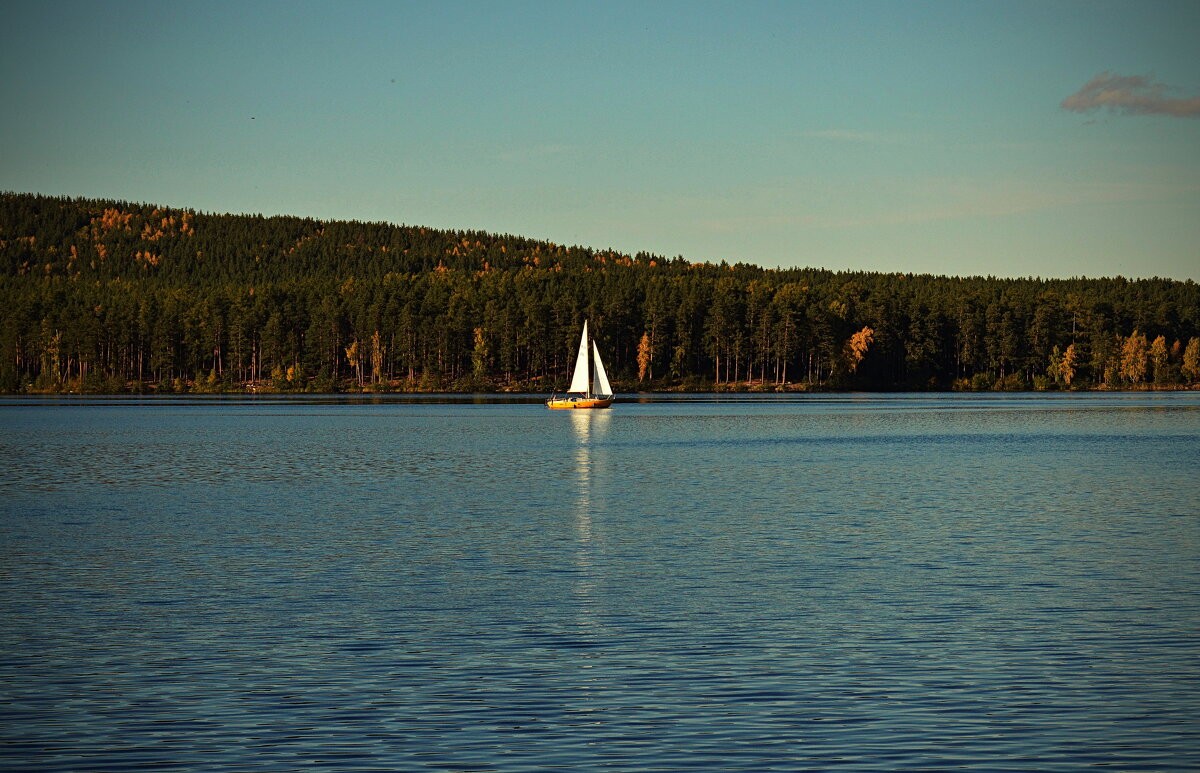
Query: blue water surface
x=860, y=582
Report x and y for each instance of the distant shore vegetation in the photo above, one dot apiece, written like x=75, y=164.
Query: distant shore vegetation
x=115, y=297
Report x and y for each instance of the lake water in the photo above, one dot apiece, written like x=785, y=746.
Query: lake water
x=991, y=582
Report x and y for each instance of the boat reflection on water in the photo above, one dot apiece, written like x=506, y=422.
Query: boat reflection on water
x=589, y=429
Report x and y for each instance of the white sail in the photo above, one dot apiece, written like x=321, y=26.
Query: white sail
x=602, y=385
x=579, y=380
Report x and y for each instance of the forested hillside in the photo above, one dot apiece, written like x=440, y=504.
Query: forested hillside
x=111, y=296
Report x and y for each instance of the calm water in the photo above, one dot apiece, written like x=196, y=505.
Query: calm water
x=855, y=582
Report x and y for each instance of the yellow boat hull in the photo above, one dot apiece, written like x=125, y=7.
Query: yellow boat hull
x=575, y=403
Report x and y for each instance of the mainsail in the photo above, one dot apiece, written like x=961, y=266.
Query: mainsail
x=579, y=381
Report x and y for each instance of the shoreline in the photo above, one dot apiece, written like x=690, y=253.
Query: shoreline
x=266, y=388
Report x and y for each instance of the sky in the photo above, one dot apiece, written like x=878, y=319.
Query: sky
x=969, y=137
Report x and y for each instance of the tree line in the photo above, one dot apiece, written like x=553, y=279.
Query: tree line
x=110, y=296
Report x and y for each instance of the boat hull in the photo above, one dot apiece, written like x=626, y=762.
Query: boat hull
x=577, y=403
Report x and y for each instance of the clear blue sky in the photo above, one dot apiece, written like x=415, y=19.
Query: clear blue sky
x=925, y=137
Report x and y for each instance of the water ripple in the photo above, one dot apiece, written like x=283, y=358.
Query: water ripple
x=857, y=584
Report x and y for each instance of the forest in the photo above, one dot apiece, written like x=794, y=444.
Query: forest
x=111, y=297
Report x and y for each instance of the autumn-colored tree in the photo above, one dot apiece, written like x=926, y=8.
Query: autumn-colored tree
x=1191, y=360
x=352, y=357
x=856, y=347
x=1066, y=367
x=1135, y=357
x=1158, y=359
x=645, y=355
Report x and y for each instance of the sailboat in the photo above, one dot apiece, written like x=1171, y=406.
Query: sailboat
x=581, y=385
